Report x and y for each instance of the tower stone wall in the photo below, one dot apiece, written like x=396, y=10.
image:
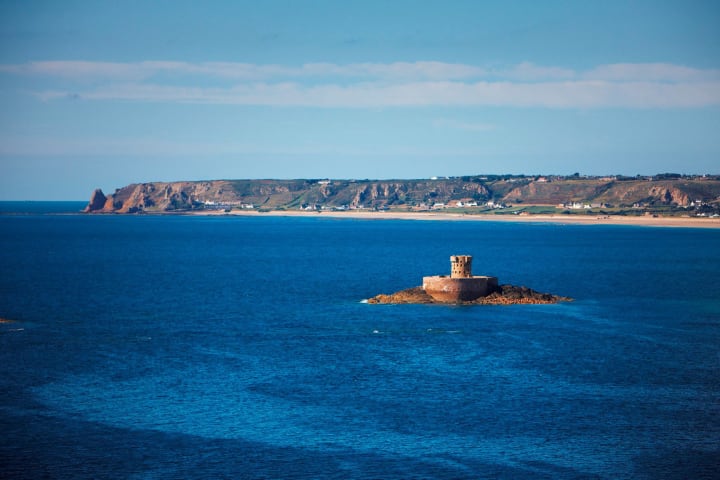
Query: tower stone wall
x=461, y=285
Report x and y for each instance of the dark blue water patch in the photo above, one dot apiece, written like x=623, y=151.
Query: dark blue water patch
x=154, y=454
x=40, y=208
x=226, y=347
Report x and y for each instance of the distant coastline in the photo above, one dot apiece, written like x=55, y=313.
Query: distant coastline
x=662, y=200
x=74, y=208
x=646, y=220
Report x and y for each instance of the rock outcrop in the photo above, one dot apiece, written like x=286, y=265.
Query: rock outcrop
x=97, y=201
x=504, y=295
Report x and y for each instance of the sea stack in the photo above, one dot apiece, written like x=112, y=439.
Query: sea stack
x=97, y=201
x=461, y=285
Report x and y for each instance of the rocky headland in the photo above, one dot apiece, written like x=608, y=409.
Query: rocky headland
x=504, y=295
x=477, y=192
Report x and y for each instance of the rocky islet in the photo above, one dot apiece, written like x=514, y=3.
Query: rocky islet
x=462, y=287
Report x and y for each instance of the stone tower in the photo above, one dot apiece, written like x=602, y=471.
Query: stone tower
x=461, y=285
x=461, y=266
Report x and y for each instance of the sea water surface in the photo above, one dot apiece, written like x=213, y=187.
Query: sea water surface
x=235, y=347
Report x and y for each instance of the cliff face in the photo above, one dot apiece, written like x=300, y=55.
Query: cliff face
x=552, y=193
x=180, y=196
x=272, y=194
x=664, y=192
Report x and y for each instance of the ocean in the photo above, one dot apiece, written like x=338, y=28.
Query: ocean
x=152, y=347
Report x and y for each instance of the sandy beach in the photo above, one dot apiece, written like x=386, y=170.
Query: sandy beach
x=646, y=221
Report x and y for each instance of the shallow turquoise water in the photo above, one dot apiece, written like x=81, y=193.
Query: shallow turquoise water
x=179, y=347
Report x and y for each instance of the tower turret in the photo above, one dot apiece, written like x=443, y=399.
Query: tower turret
x=461, y=266
x=461, y=285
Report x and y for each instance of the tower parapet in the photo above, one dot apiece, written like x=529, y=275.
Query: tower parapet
x=461, y=285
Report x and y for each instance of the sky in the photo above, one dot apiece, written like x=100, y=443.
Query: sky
x=97, y=94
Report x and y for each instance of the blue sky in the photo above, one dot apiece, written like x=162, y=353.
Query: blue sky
x=102, y=94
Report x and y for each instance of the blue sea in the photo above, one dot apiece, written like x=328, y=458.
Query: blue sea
x=164, y=347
